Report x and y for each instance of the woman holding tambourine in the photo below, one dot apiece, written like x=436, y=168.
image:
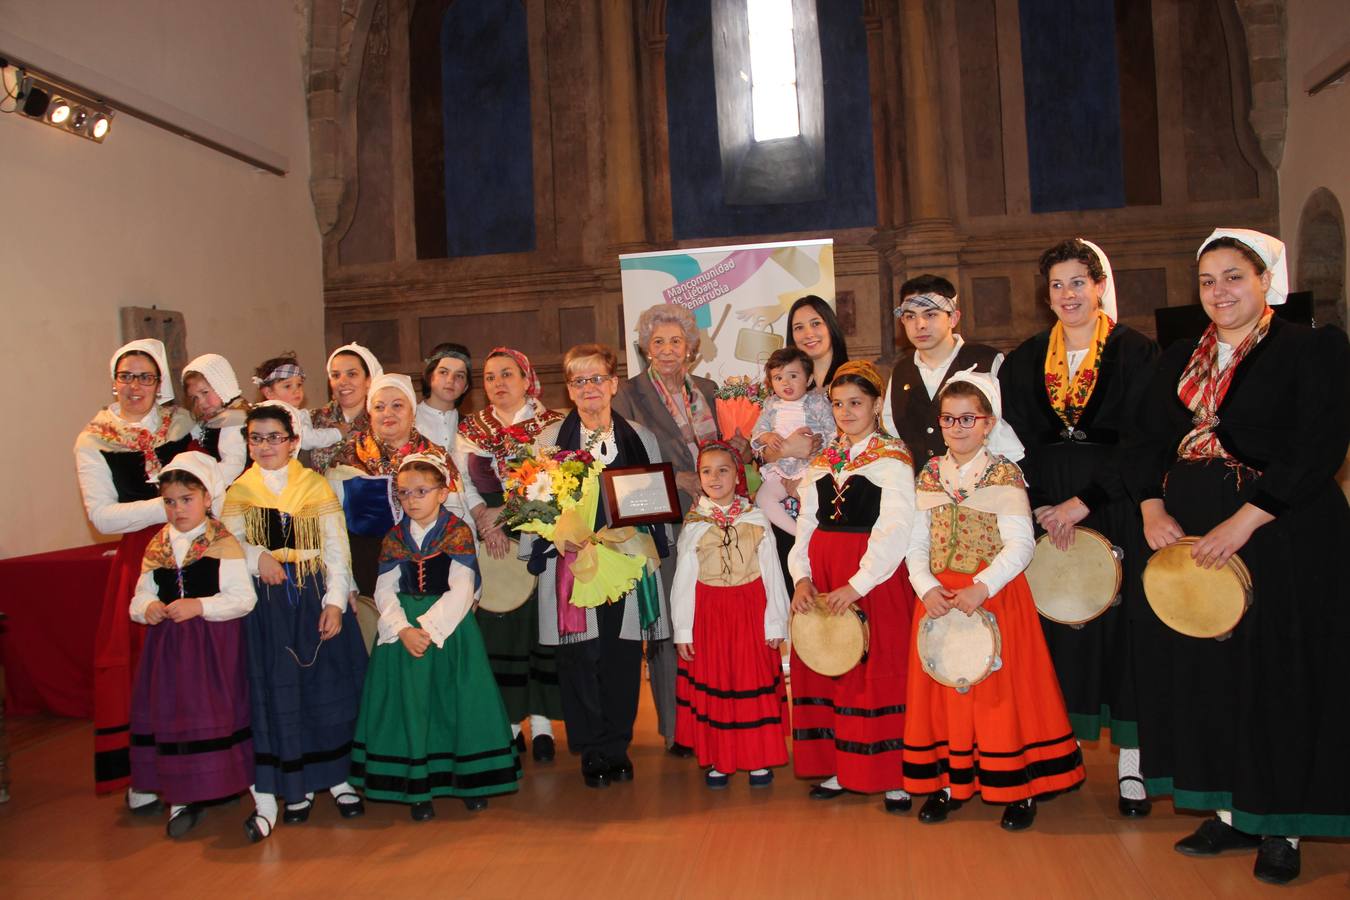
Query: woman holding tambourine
x=1072, y=394
x=1244, y=432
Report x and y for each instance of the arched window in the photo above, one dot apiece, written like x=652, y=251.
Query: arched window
x=773, y=70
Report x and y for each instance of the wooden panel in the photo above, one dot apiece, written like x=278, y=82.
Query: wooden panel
x=1138, y=102
x=480, y=333
x=1139, y=292
x=576, y=325
x=380, y=337
x=846, y=311
x=981, y=107
x=991, y=303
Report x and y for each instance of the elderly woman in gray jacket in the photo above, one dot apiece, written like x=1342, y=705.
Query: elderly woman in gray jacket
x=679, y=408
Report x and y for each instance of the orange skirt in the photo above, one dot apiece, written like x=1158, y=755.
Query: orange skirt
x=1008, y=738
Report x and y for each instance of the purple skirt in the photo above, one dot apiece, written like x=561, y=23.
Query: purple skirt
x=190, y=734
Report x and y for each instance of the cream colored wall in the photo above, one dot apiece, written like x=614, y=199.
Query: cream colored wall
x=1319, y=126
x=145, y=218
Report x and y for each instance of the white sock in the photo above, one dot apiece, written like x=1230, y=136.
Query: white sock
x=1127, y=767
x=309, y=798
x=338, y=790
x=515, y=730
x=540, y=725
x=716, y=774
x=758, y=772
x=1225, y=816
x=1293, y=842
x=947, y=792
x=897, y=795
x=137, y=799
x=176, y=809
x=831, y=783
x=769, y=500
x=265, y=807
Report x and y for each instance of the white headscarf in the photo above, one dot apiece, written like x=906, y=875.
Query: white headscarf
x=391, y=380
x=294, y=415
x=155, y=349
x=1002, y=440
x=219, y=374
x=373, y=364
x=204, y=469
x=1109, y=293
x=1271, y=251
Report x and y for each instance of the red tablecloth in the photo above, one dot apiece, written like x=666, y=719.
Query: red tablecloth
x=47, y=646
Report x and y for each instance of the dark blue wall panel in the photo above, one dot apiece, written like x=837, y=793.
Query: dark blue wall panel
x=489, y=159
x=696, y=191
x=1072, y=87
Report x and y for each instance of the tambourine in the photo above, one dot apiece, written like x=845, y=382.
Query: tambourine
x=828, y=644
x=1075, y=586
x=1201, y=603
x=959, y=650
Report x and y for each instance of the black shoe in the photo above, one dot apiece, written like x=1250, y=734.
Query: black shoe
x=1018, y=816
x=153, y=808
x=422, y=811
x=680, y=750
x=475, y=804
x=520, y=743
x=1276, y=861
x=542, y=748
x=621, y=769
x=821, y=792
x=186, y=819
x=936, y=808
x=256, y=828
x=902, y=805
x=1133, y=809
x=350, y=809
x=595, y=772
x=297, y=816
x=1214, y=837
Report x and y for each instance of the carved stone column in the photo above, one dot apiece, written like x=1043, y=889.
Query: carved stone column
x=625, y=210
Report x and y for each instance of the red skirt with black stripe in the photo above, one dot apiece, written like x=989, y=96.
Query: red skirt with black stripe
x=1008, y=738
x=853, y=726
x=731, y=704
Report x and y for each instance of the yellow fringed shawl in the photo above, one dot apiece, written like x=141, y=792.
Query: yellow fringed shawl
x=305, y=499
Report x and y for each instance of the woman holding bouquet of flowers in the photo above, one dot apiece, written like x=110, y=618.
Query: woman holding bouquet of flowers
x=600, y=649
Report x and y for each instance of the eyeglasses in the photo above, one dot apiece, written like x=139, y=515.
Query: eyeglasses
x=416, y=493
x=596, y=380
x=145, y=378
x=966, y=421
x=273, y=438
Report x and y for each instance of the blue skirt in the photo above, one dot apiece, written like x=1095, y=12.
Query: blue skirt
x=305, y=693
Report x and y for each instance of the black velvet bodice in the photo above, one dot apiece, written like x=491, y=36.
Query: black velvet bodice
x=200, y=579
x=435, y=574
x=128, y=469
x=857, y=509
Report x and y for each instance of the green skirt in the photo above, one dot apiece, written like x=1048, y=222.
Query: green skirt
x=526, y=672
x=434, y=726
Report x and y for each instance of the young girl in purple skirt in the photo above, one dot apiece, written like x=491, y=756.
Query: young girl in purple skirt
x=190, y=736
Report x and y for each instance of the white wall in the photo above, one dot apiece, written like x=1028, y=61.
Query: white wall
x=146, y=218
x=1318, y=132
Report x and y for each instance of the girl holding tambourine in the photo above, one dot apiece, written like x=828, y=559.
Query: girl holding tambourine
x=857, y=506
x=1006, y=737
x=1245, y=430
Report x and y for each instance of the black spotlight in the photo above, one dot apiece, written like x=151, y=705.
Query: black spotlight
x=35, y=99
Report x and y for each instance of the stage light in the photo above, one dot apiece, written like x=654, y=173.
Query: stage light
x=63, y=108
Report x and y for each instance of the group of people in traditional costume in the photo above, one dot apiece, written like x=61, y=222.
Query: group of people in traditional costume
x=230, y=657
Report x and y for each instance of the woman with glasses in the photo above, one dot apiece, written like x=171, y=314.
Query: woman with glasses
x=679, y=408
x=1245, y=430
x=118, y=457
x=306, y=659
x=600, y=659
x=1072, y=394
x=488, y=441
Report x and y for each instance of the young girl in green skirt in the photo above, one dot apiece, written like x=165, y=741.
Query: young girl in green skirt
x=432, y=722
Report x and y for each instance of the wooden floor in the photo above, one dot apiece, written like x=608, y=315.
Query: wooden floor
x=663, y=835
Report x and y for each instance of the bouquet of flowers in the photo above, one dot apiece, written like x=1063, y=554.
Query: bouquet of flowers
x=555, y=494
x=739, y=401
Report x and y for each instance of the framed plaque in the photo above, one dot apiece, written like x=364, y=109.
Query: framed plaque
x=640, y=495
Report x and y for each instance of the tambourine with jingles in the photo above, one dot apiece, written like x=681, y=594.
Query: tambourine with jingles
x=959, y=650
x=1201, y=603
x=507, y=584
x=830, y=645
x=1075, y=586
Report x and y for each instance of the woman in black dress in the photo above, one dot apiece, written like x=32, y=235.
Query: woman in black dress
x=1072, y=394
x=1244, y=432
